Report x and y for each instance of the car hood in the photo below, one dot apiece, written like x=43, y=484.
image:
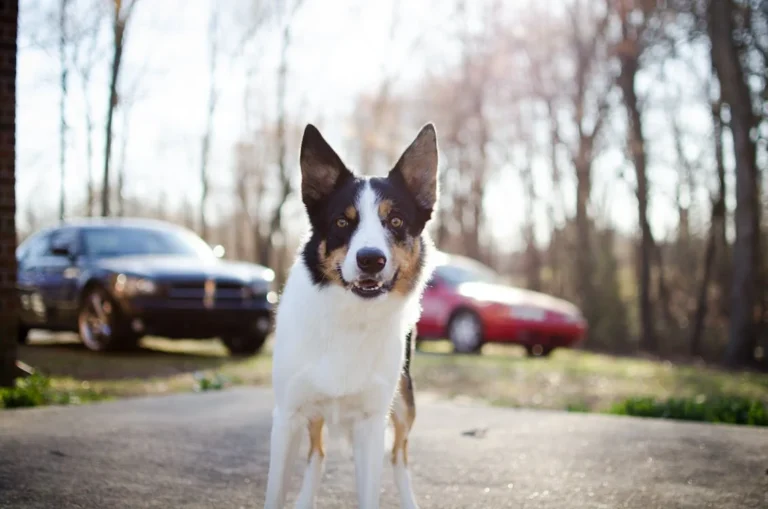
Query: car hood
x=512, y=296
x=185, y=268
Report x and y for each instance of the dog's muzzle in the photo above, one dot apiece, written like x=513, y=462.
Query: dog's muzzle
x=369, y=286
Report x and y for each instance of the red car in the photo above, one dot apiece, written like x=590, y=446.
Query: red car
x=466, y=302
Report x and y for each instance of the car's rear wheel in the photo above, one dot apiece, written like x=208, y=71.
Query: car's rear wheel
x=538, y=350
x=100, y=324
x=246, y=344
x=465, y=332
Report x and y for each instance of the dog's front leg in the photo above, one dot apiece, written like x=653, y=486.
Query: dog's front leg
x=368, y=439
x=284, y=447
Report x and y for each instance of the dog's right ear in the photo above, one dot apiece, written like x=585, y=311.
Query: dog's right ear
x=322, y=170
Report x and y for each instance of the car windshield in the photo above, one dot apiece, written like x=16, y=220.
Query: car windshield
x=455, y=274
x=128, y=241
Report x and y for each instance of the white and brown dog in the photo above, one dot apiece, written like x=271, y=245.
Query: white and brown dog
x=344, y=323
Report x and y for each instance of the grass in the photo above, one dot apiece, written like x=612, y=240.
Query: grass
x=574, y=380
x=37, y=390
x=730, y=410
x=568, y=380
x=160, y=367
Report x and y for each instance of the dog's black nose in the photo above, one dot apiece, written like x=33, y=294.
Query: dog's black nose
x=371, y=260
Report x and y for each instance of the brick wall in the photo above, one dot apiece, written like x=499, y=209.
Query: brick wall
x=9, y=10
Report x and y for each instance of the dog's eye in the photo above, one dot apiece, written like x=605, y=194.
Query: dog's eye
x=396, y=222
x=341, y=222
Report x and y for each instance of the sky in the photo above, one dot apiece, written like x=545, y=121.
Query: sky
x=340, y=49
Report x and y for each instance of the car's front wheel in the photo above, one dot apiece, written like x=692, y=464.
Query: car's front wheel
x=466, y=332
x=245, y=345
x=101, y=325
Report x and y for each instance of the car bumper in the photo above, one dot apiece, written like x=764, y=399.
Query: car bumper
x=189, y=320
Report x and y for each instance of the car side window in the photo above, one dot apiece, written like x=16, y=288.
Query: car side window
x=62, y=241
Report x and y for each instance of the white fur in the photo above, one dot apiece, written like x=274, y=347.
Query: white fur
x=369, y=233
x=338, y=356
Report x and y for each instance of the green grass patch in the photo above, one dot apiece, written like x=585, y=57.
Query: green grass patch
x=37, y=390
x=728, y=410
x=214, y=382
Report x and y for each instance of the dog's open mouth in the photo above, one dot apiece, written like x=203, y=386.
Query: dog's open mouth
x=368, y=287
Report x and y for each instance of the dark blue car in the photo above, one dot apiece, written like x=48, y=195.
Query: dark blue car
x=116, y=280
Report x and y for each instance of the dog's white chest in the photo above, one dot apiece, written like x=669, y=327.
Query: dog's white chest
x=337, y=355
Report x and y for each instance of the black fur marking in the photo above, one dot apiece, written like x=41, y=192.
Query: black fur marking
x=323, y=218
x=393, y=188
x=407, y=362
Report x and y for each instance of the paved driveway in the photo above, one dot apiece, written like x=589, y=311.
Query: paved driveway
x=211, y=451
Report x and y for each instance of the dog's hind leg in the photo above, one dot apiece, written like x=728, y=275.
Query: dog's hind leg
x=403, y=414
x=284, y=447
x=314, y=470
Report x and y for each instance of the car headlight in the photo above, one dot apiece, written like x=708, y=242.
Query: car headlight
x=130, y=286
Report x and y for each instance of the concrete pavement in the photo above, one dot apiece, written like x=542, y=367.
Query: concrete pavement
x=210, y=450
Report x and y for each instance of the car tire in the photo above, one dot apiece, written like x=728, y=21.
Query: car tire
x=22, y=334
x=538, y=350
x=101, y=325
x=465, y=332
x=244, y=345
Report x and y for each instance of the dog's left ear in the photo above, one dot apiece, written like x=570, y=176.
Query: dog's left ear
x=417, y=168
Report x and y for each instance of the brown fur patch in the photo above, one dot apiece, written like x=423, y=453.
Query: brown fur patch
x=350, y=213
x=407, y=259
x=405, y=391
x=330, y=262
x=400, y=443
x=402, y=423
x=385, y=207
x=316, y=438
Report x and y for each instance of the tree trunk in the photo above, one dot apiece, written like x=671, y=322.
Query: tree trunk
x=204, y=184
x=532, y=255
x=206, y=144
x=119, y=31
x=584, y=256
x=63, y=108
x=91, y=193
x=717, y=224
x=276, y=222
x=665, y=298
x=554, y=261
x=736, y=94
x=8, y=297
x=121, y=165
x=636, y=141
x=723, y=271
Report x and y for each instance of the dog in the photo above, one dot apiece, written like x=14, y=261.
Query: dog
x=346, y=315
